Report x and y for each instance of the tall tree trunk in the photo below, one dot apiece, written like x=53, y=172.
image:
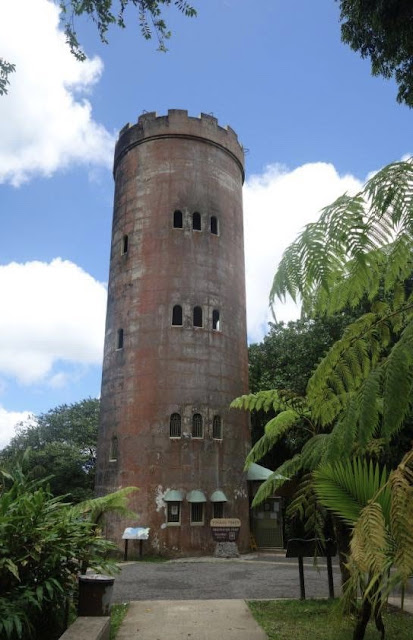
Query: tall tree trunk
x=362, y=620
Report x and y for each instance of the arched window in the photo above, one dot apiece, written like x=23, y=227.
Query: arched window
x=119, y=341
x=197, y=430
x=214, y=225
x=175, y=426
x=196, y=221
x=218, y=508
x=217, y=428
x=215, y=320
x=125, y=243
x=177, y=315
x=178, y=219
x=113, y=454
x=197, y=316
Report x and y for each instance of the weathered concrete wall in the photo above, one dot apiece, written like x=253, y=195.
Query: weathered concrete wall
x=87, y=628
x=162, y=165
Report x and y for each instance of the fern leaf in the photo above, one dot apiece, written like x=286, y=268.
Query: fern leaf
x=274, y=430
x=398, y=383
x=285, y=472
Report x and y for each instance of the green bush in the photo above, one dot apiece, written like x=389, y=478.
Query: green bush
x=43, y=543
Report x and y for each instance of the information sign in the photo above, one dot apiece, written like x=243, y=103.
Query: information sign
x=225, y=529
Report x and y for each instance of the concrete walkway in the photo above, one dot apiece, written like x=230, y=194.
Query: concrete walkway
x=190, y=619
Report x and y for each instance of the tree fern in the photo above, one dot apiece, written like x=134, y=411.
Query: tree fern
x=96, y=508
x=274, y=430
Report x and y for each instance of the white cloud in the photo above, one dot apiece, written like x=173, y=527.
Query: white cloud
x=8, y=421
x=51, y=313
x=45, y=121
x=277, y=205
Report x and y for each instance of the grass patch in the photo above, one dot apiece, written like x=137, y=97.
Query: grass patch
x=297, y=620
x=117, y=613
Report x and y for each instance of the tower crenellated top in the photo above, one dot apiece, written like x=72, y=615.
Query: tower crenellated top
x=177, y=124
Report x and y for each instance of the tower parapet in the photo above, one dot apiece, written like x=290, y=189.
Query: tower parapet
x=177, y=124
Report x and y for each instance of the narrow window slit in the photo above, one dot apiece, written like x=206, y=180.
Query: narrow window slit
x=178, y=219
x=215, y=320
x=214, y=225
x=196, y=221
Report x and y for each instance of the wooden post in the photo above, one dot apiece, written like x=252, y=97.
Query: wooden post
x=140, y=548
x=125, y=555
x=330, y=577
x=301, y=571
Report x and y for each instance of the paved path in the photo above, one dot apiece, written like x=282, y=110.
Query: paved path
x=204, y=598
x=190, y=620
x=264, y=577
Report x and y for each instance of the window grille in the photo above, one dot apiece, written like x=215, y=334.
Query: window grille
x=214, y=225
x=218, y=509
x=197, y=512
x=125, y=243
x=217, y=428
x=197, y=316
x=119, y=343
x=175, y=426
x=113, y=449
x=197, y=425
x=177, y=315
x=215, y=320
x=178, y=220
x=196, y=221
x=174, y=512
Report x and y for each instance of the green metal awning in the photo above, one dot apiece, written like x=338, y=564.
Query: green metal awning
x=196, y=495
x=219, y=496
x=257, y=472
x=173, y=495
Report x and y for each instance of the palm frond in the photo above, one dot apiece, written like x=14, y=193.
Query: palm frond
x=346, y=487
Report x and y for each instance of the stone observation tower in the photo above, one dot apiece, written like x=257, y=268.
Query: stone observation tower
x=175, y=346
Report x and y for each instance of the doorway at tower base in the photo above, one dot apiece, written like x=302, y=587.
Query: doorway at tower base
x=266, y=520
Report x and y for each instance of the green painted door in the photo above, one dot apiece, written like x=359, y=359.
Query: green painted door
x=267, y=524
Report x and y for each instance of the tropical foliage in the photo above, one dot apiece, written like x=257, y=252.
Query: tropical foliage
x=62, y=445
x=381, y=31
x=357, y=256
x=379, y=508
x=358, y=253
x=43, y=543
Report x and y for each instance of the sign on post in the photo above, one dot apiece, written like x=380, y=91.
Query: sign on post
x=298, y=548
x=225, y=529
x=135, y=533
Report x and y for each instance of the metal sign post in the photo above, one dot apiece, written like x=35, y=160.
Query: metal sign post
x=135, y=533
x=298, y=548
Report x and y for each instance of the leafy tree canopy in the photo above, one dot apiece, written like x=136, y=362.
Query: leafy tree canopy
x=105, y=13
x=285, y=360
x=360, y=395
x=62, y=445
x=382, y=31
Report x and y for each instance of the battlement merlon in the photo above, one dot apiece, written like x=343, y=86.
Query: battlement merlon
x=177, y=124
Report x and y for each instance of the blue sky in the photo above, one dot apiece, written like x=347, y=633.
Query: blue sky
x=313, y=119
